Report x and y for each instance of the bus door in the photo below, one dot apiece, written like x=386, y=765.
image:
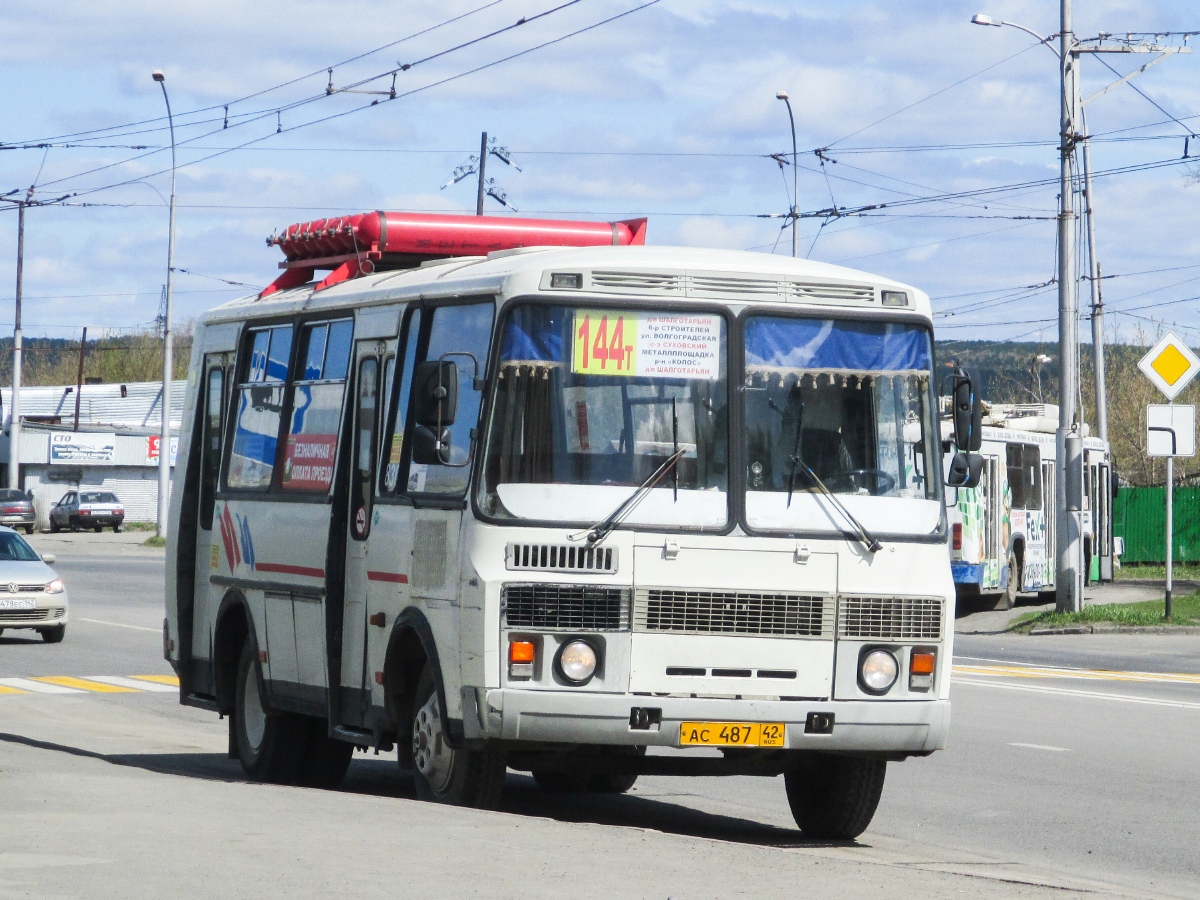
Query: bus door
x=218, y=368
x=374, y=361
x=413, y=550
x=1104, y=521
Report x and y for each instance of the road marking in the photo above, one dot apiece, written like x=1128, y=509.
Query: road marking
x=120, y=625
x=1020, y=671
x=36, y=687
x=83, y=684
x=171, y=680
x=1042, y=747
x=5, y=689
x=133, y=684
x=1122, y=698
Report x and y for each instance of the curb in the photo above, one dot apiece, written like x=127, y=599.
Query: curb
x=1110, y=628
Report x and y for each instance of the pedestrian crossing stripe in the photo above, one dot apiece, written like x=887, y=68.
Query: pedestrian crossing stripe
x=94, y=684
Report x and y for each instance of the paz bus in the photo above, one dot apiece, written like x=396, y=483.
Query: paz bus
x=1003, y=530
x=531, y=495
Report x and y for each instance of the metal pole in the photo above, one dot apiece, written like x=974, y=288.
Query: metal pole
x=1097, y=301
x=482, y=166
x=79, y=378
x=1170, y=528
x=1067, y=508
x=164, y=441
x=795, y=177
x=14, y=432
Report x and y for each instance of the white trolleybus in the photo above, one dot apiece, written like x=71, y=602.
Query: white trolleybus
x=1002, y=532
x=502, y=499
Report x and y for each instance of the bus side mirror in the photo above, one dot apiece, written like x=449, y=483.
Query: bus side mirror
x=435, y=393
x=968, y=413
x=965, y=470
x=430, y=446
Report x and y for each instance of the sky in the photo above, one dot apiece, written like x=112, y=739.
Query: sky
x=612, y=109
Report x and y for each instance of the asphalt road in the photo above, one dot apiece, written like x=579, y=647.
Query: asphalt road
x=1065, y=774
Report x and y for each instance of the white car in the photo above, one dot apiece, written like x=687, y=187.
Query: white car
x=31, y=593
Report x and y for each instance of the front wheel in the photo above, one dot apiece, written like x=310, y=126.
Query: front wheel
x=270, y=745
x=54, y=635
x=53, y=525
x=1008, y=598
x=441, y=773
x=834, y=798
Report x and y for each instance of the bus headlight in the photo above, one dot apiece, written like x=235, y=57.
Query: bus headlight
x=576, y=662
x=877, y=671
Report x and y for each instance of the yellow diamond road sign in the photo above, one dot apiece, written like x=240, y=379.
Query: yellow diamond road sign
x=1171, y=365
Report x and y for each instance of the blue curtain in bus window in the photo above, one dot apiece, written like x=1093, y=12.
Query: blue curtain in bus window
x=281, y=351
x=831, y=345
x=252, y=457
x=535, y=334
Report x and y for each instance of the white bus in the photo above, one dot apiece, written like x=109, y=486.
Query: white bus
x=1003, y=530
x=546, y=508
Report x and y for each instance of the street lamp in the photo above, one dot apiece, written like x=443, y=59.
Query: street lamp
x=1038, y=361
x=782, y=95
x=164, y=439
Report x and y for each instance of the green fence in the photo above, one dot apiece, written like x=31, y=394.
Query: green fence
x=1139, y=516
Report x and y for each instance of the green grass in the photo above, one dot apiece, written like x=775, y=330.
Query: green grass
x=1158, y=572
x=154, y=541
x=138, y=526
x=1185, y=611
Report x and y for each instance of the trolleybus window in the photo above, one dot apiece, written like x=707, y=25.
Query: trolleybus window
x=839, y=405
x=1025, y=475
x=316, y=414
x=590, y=403
x=459, y=333
x=214, y=416
x=259, y=404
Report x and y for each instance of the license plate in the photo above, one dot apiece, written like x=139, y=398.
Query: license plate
x=17, y=603
x=731, y=734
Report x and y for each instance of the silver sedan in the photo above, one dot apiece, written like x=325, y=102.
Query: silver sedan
x=31, y=593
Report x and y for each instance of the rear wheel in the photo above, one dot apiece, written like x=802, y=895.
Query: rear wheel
x=54, y=635
x=117, y=528
x=325, y=759
x=74, y=523
x=441, y=773
x=833, y=798
x=270, y=745
x=98, y=528
x=1008, y=597
x=29, y=529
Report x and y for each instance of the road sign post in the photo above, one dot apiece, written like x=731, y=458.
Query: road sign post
x=1170, y=428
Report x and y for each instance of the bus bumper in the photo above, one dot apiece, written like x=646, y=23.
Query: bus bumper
x=560, y=717
x=967, y=573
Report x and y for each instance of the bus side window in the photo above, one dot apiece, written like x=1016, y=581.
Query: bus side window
x=463, y=331
x=1016, y=479
x=259, y=405
x=1031, y=471
x=214, y=420
x=316, y=409
x=403, y=367
x=366, y=418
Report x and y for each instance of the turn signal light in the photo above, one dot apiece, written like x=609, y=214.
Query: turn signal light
x=956, y=536
x=921, y=666
x=521, y=656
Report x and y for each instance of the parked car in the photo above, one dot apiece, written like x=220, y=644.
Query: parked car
x=87, y=509
x=17, y=510
x=31, y=593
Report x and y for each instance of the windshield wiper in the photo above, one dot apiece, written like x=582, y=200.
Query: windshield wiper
x=601, y=529
x=867, y=539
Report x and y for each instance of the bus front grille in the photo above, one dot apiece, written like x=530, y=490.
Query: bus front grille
x=733, y=612
x=560, y=558
x=890, y=618
x=565, y=607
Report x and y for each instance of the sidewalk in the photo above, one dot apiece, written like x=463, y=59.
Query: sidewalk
x=974, y=617
x=88, y=543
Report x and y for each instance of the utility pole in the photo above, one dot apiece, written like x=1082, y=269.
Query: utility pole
x=483, y=155
x=14, y=433
x=164, y=440
x=79, y=377
x=1068, y=579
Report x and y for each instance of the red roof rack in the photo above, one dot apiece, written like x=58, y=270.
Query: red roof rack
x=374, y=241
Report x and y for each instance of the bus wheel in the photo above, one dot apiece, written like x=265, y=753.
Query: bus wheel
x=326, y=759
x=833, y=798
x=270, y=745
x=442, y=774
x=1008, y=598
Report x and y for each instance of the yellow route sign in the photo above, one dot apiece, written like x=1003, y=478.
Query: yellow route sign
x=1171, y=365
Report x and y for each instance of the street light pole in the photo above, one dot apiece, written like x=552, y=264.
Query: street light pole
x=1097, y=301
x=164, y=441
x=782, y=95
x=14, y=432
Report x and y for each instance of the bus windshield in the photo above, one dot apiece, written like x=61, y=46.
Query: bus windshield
x=590, y=402
x=841, y=406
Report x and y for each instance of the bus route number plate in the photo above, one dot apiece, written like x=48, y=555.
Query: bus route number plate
x=731, y=734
